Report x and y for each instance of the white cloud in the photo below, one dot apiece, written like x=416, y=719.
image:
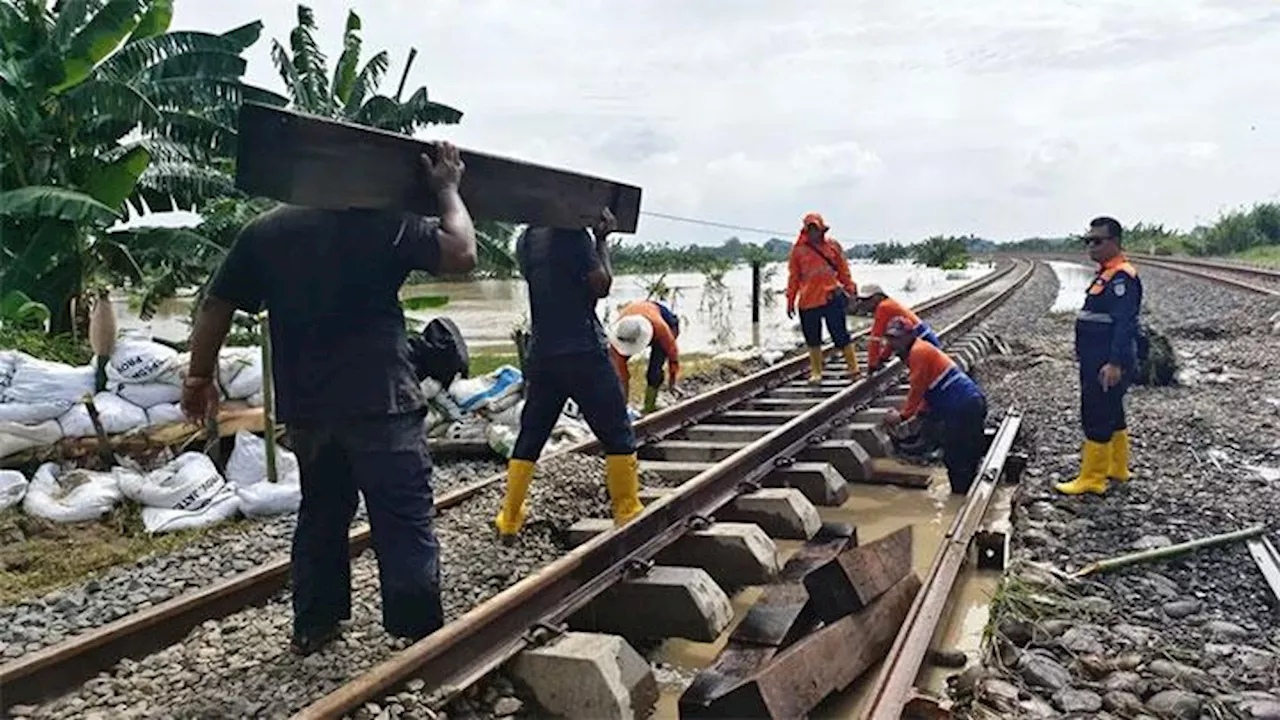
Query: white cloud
x=1006, y=118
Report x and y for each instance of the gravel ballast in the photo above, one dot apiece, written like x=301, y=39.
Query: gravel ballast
x=240, y=665
x=29, y=626
x=1187, y=637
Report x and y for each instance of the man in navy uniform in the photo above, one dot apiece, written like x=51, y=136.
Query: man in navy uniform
x=1106, y=347
x=568, y=271
x=346, y=387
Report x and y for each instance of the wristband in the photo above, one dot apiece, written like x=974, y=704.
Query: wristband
x=196, y=381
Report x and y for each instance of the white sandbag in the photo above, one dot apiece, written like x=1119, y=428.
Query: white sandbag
x=247, y=377
x=509, y=416
x=146, y=395
x=117, y=415
x=13, y=485
x=31, y=413
x=39, y=381
x=188, y=482
x=501, y=438
x=248, y=462
x=8, y=361
x=256, y=399
x=232, y=360
x=16, y=437
x=267, y=499
x=165, y=414
x=473, y=394
x=138, y=359
x=75, y=496
x=222, y=506
x=430, y=387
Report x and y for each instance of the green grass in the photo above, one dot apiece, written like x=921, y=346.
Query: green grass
x=60, y=348
x=1261, y=254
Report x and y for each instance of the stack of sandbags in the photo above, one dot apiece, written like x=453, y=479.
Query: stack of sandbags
x=40, y=390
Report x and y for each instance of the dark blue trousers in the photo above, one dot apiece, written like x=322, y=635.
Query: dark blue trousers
x=833, y=314
x=588, y=378
x=1101, y=413
x=386, y=460
x=962, y=442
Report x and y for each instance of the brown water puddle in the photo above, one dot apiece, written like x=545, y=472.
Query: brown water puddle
x=876, y=511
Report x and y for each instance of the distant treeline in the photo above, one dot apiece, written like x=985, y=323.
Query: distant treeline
x=1239, y=232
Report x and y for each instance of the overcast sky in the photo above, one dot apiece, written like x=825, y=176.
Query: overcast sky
x=895, y=118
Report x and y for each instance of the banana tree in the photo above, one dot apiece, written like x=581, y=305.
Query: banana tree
x=102, y=109
x=351, y=94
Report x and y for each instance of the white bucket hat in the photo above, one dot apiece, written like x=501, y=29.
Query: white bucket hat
x=866, y=291
x=630, y=335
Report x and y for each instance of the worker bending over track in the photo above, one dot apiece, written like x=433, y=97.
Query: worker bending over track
x=873, y=299
x=818, y=283
x=566, y=358
x=950, y=397
x=646, y=324
x=1106, y=347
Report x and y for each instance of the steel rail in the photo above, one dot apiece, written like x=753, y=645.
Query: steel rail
x=1181, y=267
x=897, y=678
x=469, y=648
x=1268, y=561
x=1256, y=270
x=57, y=668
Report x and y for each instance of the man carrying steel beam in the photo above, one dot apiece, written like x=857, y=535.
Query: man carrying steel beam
x=646, y=324
x=873, y=299
x=950, y=397
x=346, y=387
x=567, y=358
x=1106, y=347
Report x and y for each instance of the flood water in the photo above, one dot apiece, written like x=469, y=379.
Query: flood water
x=877, y=511
x=1073, y=281
x=713, y=317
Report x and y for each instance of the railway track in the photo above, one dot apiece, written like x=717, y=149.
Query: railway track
x=1260, y=280
x=770, y=418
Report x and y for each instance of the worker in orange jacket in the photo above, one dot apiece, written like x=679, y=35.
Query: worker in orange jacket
x=873, y=299
x=950, y=397
x=818, y=283
x=646, y=324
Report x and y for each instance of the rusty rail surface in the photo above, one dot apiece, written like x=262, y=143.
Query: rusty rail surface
x=897, y=680
x=469, y=648
x=1218, y=277
x=59, y=667
x=1247, y=269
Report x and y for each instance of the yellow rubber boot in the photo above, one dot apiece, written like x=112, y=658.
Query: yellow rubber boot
x=1094, y=459
x=815, y=366
x=650, y=400
x=851, y=359
x=1118, y=468
x=622, y=478
x=511, y=515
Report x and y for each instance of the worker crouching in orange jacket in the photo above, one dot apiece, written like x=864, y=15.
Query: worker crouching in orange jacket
x=819, y=285
x=646, y=324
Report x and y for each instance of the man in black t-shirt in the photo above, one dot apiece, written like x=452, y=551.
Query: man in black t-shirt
x=345, y=386
x=567, y=358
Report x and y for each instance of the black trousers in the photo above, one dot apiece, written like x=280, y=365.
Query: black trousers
x=588, y=378
x=386, y=460
x=962, y=442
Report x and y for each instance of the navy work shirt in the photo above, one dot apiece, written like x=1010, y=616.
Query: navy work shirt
x=330, y=280
x=1107, y=326
x=555, y=264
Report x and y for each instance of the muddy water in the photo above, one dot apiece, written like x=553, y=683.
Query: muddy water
x=714, y=317
x=878, y=511
x=1073, y=281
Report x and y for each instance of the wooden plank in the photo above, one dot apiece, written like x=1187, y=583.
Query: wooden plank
x=782, y=614
x=791, y=682
x=891, y=471
x=854, y=578
x=307, y=160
